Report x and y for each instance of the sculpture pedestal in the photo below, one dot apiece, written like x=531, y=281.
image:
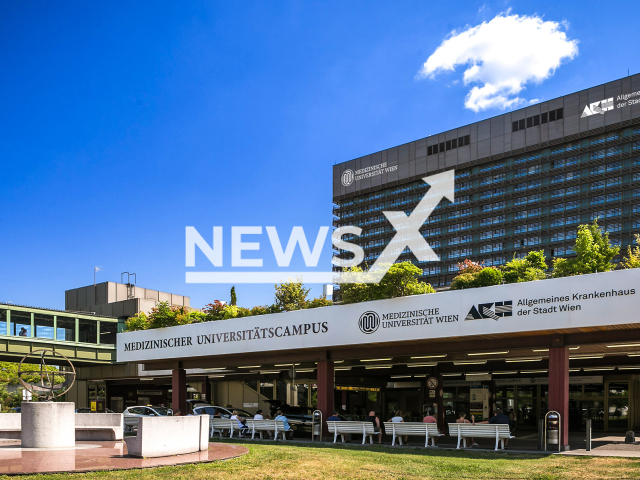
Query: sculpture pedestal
x=48, y=424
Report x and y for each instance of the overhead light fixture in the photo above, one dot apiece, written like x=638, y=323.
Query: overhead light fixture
x=597, y=369
x=533, y=371
x=338, y=361
x=489, y=353
x=574, y=369
x=580, y=357
x=433, y=364
x=305, y=370
x=527, y=359
x=400, y=376
x=342, y=368
x=479, y=373
x=286, y=365
x=546, y=349
x=633, y=354
x=505, y=373
x=264, y=372
x=451, y=374
x=147, y=379
x=475, y=362
x=428, y=356
x=628, y=368
x=215, y=376
x=252, y=366
x=376, y=360
x=625, y=345
x=373, y=367
x=216, y=368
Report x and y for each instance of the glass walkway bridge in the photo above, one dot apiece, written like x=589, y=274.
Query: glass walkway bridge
x=83, y=338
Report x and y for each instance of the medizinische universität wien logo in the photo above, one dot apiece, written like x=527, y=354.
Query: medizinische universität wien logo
x=369, y=322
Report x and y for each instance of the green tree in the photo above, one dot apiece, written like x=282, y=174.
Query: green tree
x=319, y=302
x=291, y=295
x=464, y=281
x=230, y=311
x=9, y=373
x=594, y=253
x=473, y=274
x=139, y=321
x=234, y=299
x=164, y=315
x=400, y=280
x=531, y=267
x=488, y=276
x=356, y=291
x=632, y=260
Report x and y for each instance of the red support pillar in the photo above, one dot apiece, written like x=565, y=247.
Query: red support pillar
x=325, y=392
x=179, y=391
x=559, y=389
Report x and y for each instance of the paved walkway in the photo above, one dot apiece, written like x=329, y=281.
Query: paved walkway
x=603, y=445
x=95, y=456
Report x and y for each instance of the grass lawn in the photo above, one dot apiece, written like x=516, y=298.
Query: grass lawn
x=342, y=462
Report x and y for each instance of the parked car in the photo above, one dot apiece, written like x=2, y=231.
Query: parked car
x=15, y=409
x=133, y=414
x=224, y=412
x=295, y=415
x=191, y=404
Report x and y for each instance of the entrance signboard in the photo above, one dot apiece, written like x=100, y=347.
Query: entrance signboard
x=545, y=380
x=600, y=299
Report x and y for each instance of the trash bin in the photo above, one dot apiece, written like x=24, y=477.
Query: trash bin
x=316, y=427
x=553, y=426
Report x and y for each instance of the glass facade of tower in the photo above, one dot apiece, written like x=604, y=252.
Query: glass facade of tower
x=523, y=181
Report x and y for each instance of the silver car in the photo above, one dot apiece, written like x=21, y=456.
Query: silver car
x=133, y=414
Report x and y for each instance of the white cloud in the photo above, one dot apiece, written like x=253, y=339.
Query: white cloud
x=501, y=56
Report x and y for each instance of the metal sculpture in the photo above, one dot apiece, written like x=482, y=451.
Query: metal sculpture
x=47, y=386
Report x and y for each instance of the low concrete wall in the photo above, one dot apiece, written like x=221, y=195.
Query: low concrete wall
x=165, y=436
x=99, y=426
x=10, y=425
x=48, y=424
x=88, y=426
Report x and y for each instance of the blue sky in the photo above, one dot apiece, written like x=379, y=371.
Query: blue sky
x=123, y=123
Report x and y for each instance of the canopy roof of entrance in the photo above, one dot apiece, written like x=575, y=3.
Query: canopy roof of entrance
x=501, y=327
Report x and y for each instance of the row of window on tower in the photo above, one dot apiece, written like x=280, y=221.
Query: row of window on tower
x=448, y=145
x=535, y=120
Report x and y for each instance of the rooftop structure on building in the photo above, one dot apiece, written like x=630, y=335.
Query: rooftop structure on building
x=121, y=300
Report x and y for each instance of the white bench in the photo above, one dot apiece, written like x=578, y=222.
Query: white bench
x=10, y=425
x=419, y=429
x=463, y=431
x=165, y=436
x=275, y=426
x=359, y=428
x=224, y=425
x=99, y=426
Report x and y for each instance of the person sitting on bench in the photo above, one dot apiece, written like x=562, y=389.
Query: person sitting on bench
x=498, y=418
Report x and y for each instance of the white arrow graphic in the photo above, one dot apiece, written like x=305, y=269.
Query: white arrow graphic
x=408, y=230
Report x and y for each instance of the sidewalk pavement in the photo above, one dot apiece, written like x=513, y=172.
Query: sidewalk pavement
x=603, y=444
